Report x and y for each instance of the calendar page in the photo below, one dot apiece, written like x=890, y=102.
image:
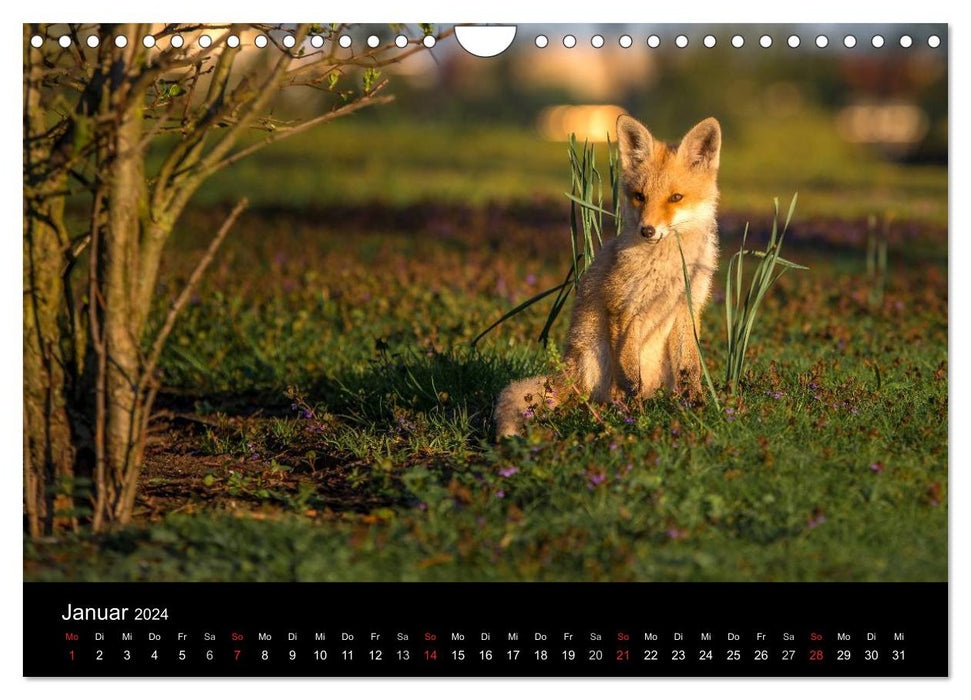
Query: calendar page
x=485, y=350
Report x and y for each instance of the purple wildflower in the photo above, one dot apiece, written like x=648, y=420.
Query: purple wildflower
x=422, y=506
x=876, y=467
x=528, y=413
x=530, y=279
x=816, y=521
x=500, y=494
x=508, y=471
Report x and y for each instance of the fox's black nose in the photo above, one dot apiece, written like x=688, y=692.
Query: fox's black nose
x=647, y=231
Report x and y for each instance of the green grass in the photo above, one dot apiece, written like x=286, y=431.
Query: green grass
x=326, y=419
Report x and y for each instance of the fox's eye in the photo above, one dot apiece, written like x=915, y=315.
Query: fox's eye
x=637, y=198
x=675, y=197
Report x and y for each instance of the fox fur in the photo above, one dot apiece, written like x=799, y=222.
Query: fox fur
x=631, y=332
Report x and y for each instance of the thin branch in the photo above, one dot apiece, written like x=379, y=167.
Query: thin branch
x=95, y=302
x=362, y=59
x=184, y=296
x=165, y=62
x=280, y=134
x=249, y=99
x=210, y=111
x=264, y=93
x=158, y=127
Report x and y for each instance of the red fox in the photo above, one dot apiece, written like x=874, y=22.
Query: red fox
x=631, y=332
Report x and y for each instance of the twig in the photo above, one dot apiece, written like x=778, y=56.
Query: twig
x=186, y=293
x=362, y=58
x=310, y=123
x=30, y=481
x=98, y=343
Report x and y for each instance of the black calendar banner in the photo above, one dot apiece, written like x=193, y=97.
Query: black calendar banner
x=478, y=629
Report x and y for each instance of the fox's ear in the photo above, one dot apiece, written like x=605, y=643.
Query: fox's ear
x=701, y=147
x=635, y=142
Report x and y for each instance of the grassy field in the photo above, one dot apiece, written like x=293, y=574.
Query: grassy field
x=400, y=162
x=324, y=417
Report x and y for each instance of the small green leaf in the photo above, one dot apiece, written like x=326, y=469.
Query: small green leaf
x=369, y=78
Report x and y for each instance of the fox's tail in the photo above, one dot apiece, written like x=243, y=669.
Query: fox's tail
x=519, y=401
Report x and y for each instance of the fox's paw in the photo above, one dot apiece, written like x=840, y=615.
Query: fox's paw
x=520, y=402
x=688, y=388
x=693, y=395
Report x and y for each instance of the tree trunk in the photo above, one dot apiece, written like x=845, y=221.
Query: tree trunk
x=122, y=326
x=48, y=450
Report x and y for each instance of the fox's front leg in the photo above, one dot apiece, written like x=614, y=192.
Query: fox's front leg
x=625, y=347
x=685, y=357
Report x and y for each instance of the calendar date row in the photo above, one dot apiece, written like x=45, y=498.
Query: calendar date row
x=432, y=655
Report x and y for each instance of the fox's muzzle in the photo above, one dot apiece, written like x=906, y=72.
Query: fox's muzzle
x=653, y=234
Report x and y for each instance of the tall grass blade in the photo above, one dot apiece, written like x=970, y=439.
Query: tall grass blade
x=587, y=205
x=561, y=298
x=522, y=307
x=587, y=211
x=741, y=313
x=694, y=327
